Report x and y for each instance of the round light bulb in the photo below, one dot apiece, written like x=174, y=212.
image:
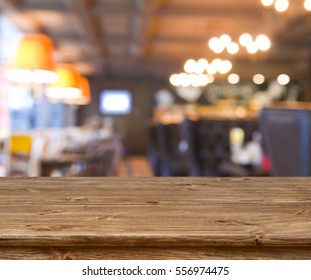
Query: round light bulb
x=252, y=48
x=281, y=5
x=283, y=79
x=245, y=39
x=216, y=45
x=201, y=66
x=233, y=79
x=225, y=40
x=184, y=80
x=225, y=67
x=211, y=69
x=307, y=5
x=263, y=42
x=190, y=66
x=203, y=79
x=217, y=63
x=258, y=79
x=267, y=3
x=175, y=80
x=211, y=78
x=233, y=48
x=213, y=43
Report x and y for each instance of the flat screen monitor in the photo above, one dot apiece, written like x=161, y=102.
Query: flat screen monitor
x=115, y=102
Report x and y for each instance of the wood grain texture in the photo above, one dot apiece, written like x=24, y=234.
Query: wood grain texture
x=147, y=218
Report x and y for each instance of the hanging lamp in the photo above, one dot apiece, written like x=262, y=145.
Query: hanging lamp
x=67, y=85
x=85, y=98
x=34, y=61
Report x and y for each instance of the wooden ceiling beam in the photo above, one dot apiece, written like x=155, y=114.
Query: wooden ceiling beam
x=24, y=6
x=87, y=30
x=10, y=8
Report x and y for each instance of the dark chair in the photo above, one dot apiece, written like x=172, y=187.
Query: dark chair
x=286, y=136
x=213, y=144
x=102, y=158
x=170, y=153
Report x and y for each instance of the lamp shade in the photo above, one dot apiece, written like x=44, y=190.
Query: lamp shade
x=85, y=98
x=67, y=85
x=34, y=60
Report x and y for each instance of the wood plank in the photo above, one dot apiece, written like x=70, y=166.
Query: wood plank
x=180, y=215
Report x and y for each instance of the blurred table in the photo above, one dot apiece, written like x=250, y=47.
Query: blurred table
x=60, y=162
x=155, y=218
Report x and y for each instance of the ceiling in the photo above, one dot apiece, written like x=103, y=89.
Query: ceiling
x=153, y=38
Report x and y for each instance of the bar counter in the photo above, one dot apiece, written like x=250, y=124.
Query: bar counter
x=155, y=218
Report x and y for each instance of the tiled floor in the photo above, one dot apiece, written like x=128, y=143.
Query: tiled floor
x=135, y=166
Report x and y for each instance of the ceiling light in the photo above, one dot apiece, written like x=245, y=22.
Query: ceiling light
x=34, y=61
x=233, y=79
x=245, y=39
x=252, y=48
x=216, y=45
x=225, y=40
x=283, y=79
x=225, y=67
x=281, y=5
x=190, y=66
x=307, y=5
x=213, y=43
x=217, y=63
x=86, y=92
x=233, y=48
x=175, y=80
x=267, y=3
x=211, y=69
x=263, y=42
x=194, y=80
x=184, y=80
x=68, y=84
x=201, y=66
x=211, y=78
x=203, y=79
x=258, y=79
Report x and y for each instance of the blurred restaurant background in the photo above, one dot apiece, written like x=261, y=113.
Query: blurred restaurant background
x=155, y=88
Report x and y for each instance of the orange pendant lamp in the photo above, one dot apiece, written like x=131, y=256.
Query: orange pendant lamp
x=67, y=85
x=85, y=98
x=34, y=61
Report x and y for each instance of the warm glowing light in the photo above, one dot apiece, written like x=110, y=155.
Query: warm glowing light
x=263, y=42
x=233, y=79
x=204, y=80
x=281, y=5
x=67, y=85
x=233, y=48
x=245, y=39
x=194, y=80
x=190, y=66
x=307, y=5
x=225, y=40
x=184, y=80
x=240, y=112
x=211, y=78
x=283, y=79
x=211, y=69
x=258, y=79
x=217, y=63
x=34, y=59
x=175, y=80
x=201, y=66
x=267, y=3
x=252, y=48
x=225, y=67
x=216, y=45
x=213, y=43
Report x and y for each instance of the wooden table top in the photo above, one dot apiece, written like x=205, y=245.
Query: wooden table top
x=155, y=211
